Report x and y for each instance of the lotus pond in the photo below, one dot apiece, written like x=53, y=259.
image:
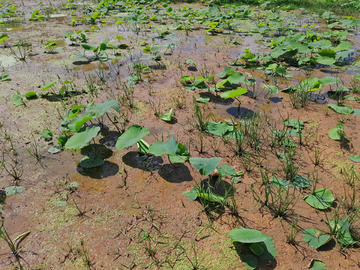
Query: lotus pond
x=152, y=135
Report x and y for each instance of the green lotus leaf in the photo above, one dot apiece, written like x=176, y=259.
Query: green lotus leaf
x=205, y=166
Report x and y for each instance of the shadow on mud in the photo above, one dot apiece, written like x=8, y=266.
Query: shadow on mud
x=221, y=188
x=241, y=113
x=142, y=162
x=174, y=173
x=99, y=149
x=106, y=170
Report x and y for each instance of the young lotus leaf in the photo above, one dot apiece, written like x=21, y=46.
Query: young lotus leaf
x=310, y=85
x=281, y=155
x=333, y=134
x=356, y=111
x=328, y=80
x=343, y=46
x=191, y=195
x=203, y=99
x=13, y=190
x=205, y=166
x=78, y=107
x=244, y=235
x=30, y=95
x=182, y=154
x=317, y=265
x=168, y=148
x=221, y=84
x=77, y=123
x=47, y=134
x=294, y=123
x=227, y=71
x=68, y=34
x=226, y=170
x=54, y=149
x=143, y=147
x=345, y=238
x=341, y=109
x=236, y=179
x=251, y=261
x=4, y=76
x=300, y=182
x=99, y=109
x=87, y=47
x=62, y=140
x=236, y=78
x=326, y=57
x=269, y=248
x=198, y=81
x=91, y=161
x=273, y=89
x=314, y=238
x=321, y=199
x=131, y=136
x=355, y=158
x=17, y=99
x=234, y=134
x=189, y=61
x=82, y=138
x=279, y=182
x=342, y=230
x=211, y=197
x=216, y=129
x=234, y=93
x=77, y=56
x=48, y=85
x=3, y=37
x=197, y=192
x=167, y=116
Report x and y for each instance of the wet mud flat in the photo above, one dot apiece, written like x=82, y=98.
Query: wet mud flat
x=138, y=136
